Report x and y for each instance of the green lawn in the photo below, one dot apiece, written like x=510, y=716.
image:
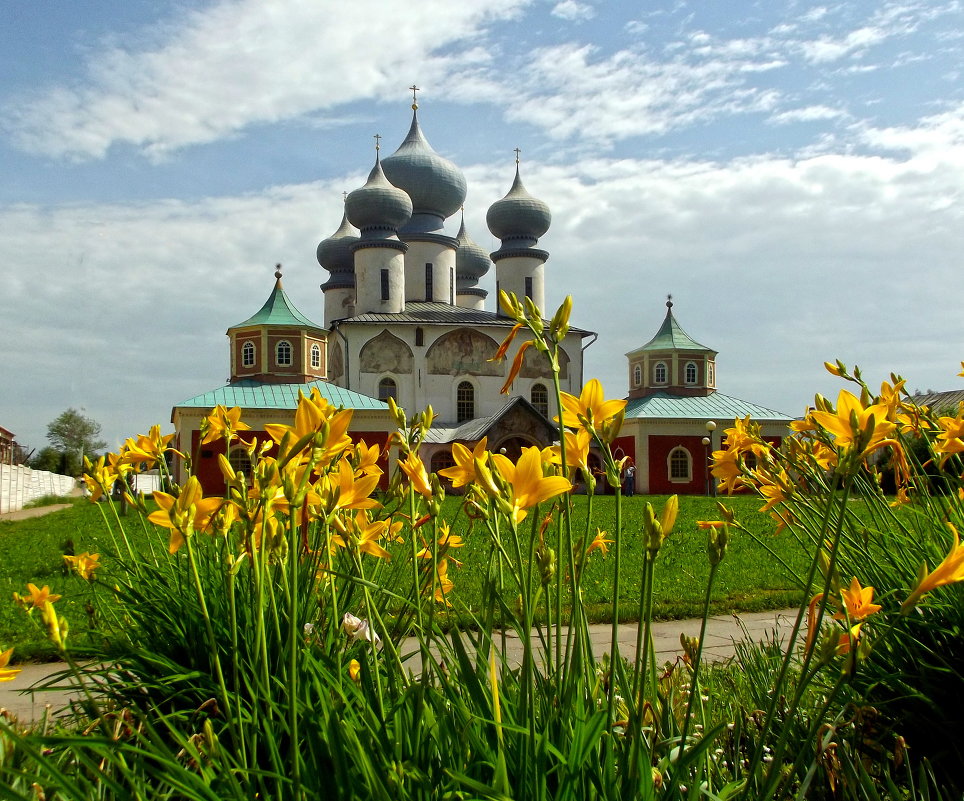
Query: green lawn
x=749, y=578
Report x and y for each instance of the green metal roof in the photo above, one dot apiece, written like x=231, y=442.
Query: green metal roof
x=715, y=406
x=672, y=337
x=251, y=394
x=278, y=310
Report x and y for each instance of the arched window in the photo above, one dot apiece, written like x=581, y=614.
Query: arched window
x=387, y=388
x=659, y=373
x=247, y=354
x=711, y=374
x=283, y=353
x=540, y=399
x=240, y=461
x=464, y=402
x=691, y=373
x=315, y=356
x=680, y=464
x=637, y=375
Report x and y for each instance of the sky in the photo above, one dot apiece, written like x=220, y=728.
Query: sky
x=791, y=172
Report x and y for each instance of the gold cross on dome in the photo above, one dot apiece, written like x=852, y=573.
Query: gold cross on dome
x=378, y=139
x=414, y=89
x=517, y=154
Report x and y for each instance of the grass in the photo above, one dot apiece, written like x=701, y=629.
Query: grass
x=748, y=580
x=51, y=500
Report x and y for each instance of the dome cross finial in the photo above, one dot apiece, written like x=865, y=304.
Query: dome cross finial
x=378, y=140
x=277, y=271
x=669, y=301
x=415, y=90
x=518, y=153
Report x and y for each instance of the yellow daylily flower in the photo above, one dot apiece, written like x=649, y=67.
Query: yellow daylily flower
x=222, y=423
x=853, y=423
x=315, y=415
x=462, y=473
x=100, y=476
x=362, y=534
x=528, y=485
x=590, y=410
x=857, y=602
x=185, y=514
x=951, y=438
x=577, y=450
x=7, y=674
x=443, y=584
x=949, y=571
x=446, y=540
x=726, y=467
x=85, y=564
x=148, y=448
x=415, y=470
x=354, y=670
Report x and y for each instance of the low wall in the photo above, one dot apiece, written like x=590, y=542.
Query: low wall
x=20, y=485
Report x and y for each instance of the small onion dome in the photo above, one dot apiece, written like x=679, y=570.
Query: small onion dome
x=435, y=185
x=335, y=255
x=518, y=217
x=378, y=209
x=471, y=261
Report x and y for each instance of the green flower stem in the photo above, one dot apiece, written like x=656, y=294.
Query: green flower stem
x=695, y=682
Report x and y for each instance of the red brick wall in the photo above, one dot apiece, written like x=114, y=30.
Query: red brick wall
x=660, y=446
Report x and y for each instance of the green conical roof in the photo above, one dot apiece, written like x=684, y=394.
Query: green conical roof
x=278, y=310
x=671, y=336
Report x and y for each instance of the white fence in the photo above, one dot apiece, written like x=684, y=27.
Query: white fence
x=20, y=485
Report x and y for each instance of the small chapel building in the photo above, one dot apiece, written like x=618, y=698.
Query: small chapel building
x=675, y=417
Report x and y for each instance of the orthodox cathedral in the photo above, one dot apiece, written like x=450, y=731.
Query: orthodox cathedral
x=405, y=318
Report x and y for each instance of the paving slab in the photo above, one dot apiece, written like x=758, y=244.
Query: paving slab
x=21, y=697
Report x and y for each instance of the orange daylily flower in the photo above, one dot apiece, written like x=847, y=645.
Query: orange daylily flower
x=857, y=602
x=949, y=571
x=516, y=368
x=363, y=534
x=599, y=542
x=36, y=597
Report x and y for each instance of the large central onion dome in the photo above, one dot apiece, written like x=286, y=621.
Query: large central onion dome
x=378, y=209
x=335, y=255
x=435, y=185
x=519, y=218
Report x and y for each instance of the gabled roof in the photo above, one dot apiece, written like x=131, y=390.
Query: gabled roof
x=278, y=310
x=473, y=430
x=252, y=394
x=434, y=313
x=715, y=406
x=938, y=401
x=671, y=336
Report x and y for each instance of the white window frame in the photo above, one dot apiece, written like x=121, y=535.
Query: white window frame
x=689, y=465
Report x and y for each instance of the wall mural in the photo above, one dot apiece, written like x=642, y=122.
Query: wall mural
x=386, y=353
x=464, y=352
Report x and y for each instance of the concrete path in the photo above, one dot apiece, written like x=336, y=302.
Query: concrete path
x=40, y=511
x=721, y=633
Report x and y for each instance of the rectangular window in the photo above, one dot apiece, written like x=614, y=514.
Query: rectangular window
x=384, y=284
x=419, y=337
x=428, y=282
x=529, y=287
x=452, y=286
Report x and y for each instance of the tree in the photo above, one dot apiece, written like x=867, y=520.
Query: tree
x=76, y=436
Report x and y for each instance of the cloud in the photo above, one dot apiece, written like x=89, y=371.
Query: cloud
x=573, y=92
x=806, y=114
x=778, y=263
x=573, y=11
x=241, y=62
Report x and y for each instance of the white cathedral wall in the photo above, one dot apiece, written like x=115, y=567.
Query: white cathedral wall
x=369, y=263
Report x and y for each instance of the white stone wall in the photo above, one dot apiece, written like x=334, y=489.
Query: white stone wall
x=20, y=485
